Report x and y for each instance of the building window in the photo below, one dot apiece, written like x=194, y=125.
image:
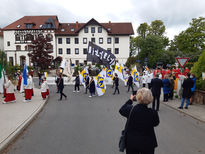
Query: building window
x=109, y=40
x=84, y=40
x=59, y=40
x=116, y=50
x=85, y=51
x=29, y=37
x=77, y=62
x=68, y=51
x=93, y=40
x=92, y=29
x=17, y=37
x=60, y=51
x=18, y=48
x=100, y=40
x=109, y=50
x=11, y=61
x=85, y=62
x=76, y=51
x=48, y=25
x=29, y=26
x=76, y=41
x=67, y=40
x=117, y=40
x=8, y=43
x=86, y=30
x=99, y=29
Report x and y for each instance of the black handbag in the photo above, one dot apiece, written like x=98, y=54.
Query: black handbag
x=122, y=144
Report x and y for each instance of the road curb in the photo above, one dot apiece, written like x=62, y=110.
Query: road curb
x=181, y=111
x=4, y=144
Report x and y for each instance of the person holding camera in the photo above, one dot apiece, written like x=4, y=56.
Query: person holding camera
x=140, y=135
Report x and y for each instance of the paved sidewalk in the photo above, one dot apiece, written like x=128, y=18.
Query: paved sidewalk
x=196, y=111
x=14, y=117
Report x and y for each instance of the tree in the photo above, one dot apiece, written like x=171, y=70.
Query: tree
x=191, y=41
x=157, y=27
x=143, y=30
x=40, y=55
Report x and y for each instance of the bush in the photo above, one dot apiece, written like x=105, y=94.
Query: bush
x=199, y=66
x=200, y=84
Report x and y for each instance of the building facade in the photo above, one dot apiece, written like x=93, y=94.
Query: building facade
x=1, y=40
x=69, y=40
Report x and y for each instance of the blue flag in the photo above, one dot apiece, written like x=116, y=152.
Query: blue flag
x=25, y=74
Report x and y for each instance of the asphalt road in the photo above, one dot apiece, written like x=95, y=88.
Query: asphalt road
x=83, y=125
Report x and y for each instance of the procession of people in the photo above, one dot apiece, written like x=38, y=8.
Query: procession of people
x=154, y=79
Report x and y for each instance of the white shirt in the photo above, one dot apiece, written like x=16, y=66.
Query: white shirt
x=149, y=77
x=144, y=79
x=9, y=87
x=29, y=84
x=44, y=86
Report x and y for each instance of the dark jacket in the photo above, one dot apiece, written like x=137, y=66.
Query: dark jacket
x=87, y=80
x=116, y=80
x=166, y=86
x=187, y=85
x=77, y=80
x=130, y=81
x=140, y=134
x=61, y=83
x=156, y=85
x=92, y=86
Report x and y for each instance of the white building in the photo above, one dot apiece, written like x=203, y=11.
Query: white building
x=69, y=40
x=1, y=40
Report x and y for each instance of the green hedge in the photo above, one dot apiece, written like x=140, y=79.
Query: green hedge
x=200, y=84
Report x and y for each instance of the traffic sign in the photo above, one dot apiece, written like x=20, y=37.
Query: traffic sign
x=182, y=61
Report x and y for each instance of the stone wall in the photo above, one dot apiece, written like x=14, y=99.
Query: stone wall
x=199, y=97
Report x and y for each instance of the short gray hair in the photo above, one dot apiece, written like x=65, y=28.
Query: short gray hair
x=144, y=96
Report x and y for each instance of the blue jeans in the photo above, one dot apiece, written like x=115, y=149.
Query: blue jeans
x=187, y=102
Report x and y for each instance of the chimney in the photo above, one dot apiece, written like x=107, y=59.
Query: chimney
x=76, y=25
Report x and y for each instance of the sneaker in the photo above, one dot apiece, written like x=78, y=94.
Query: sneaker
x=90, y=96
x=78, y=91
x=180, y=107
x=25, y=101
x=186, y=107
x=74, y=91
x=4, y=102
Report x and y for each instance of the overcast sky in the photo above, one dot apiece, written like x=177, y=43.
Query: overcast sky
x=176, y=14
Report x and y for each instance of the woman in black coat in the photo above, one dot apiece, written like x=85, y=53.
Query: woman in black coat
x=140, y=137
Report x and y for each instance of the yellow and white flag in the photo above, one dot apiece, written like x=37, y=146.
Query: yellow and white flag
x=100, y=84
x=83, y=76
x=109, y=74
x=135, y=75
x=119, y=70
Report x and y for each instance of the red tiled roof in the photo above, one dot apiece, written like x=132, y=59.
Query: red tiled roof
x=36, y=20
x=111, y=28
x=1, y=32
x=69, y=28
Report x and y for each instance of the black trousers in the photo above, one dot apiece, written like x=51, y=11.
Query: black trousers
x=62, y=94
x=86, y=89
x=155, y=97
x=171, y=94
x=117, y=89
x=143, y=85
x=149, y=85
x=148, y=151
x=77, y=87
x=166, y=97
x=129, y=88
